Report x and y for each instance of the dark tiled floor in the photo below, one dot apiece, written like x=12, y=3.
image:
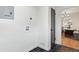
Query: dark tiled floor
x=57, y=48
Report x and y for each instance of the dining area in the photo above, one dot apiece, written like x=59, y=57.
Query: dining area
x=70, y=28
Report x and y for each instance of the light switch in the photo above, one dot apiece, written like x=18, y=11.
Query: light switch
x=27, y=28
x=30, y=18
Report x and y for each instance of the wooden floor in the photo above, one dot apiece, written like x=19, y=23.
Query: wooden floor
x=70, y=42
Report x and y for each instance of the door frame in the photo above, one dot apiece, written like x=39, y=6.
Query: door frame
x=52, y=45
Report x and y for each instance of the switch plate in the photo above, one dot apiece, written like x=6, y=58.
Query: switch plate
x=27, y=28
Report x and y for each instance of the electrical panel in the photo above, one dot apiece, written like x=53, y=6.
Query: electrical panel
x=6, y=12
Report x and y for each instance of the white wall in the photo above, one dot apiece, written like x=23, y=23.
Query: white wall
x=75, y=20
x=13, y=36
x=44, y=27
x=58, y=28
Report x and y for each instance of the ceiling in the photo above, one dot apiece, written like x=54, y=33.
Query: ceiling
x=71, y=10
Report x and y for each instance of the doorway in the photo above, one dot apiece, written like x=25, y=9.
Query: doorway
x=70, y=27
x=52, y=28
